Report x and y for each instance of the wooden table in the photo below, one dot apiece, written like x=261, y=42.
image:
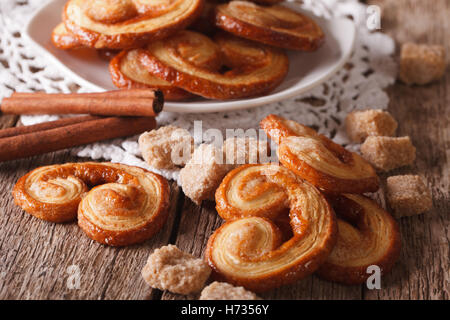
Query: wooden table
x=35, y=256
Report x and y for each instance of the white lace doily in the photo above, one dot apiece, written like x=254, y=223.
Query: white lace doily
x=357, y=86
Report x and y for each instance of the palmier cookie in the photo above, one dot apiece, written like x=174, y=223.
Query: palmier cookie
x=274, y=25
x=127, y=205
x=248, y=250
x=119, y=24
x=128, y=72
x=252, y=69
x=319, y=160
x=368, y=236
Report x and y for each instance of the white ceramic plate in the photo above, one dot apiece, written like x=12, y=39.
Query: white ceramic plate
x=306, y=70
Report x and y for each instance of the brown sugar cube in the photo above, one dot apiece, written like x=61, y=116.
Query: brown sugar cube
x=387, y=153
x=203, y=173
x=208, y=166
x=408, y=195
x=421, y=64
x=169, y=268
x=166, y=147
x=361, y=124
x=245, y=150
x=225, y=291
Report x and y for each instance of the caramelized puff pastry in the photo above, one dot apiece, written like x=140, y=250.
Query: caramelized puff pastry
x=319, y=160
x=120, y=24
x=128, y=72
x=367, y=236
x=248, y=250
x=127, y=205
x=254, y=68
x=274, y=25
x=63, y=39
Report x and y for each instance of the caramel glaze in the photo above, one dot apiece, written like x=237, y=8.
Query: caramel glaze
x=307, y=36
x=122, y=81
x=94, y=39
x=326, y=182
x=280, y=130
x=63, y=39
x=247, y=76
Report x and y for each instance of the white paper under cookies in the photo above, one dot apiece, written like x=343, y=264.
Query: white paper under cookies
x=359, y=85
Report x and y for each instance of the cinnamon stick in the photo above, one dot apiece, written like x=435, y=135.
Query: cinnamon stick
x=15, y=131
x=133, y=102
x=31, y=144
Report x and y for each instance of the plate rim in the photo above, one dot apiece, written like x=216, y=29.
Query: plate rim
x=222, y=106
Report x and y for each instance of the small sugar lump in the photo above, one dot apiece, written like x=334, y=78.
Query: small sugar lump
x=169, y=268
x=209, y=164
x=421, y=64
x=203, y=173
x=408, y=195
x=388, y=153
x=226, y=291
x=362, y=124
x=166, y=147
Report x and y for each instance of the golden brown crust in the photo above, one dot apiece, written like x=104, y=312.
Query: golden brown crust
x=319, y=160
x=110, y=11
x=278, y=128
x=273, y=25
x=63, y=39
x=266, y=67
x=248, y=250
x=128, y=73
x=367, y=236
x=128, y=204
x=151, y=22
x=271, y=209
x=52, y=212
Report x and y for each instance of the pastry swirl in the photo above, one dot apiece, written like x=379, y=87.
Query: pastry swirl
x=367, y=236
x=128, y=72
x=119, y=24
x=126, y=206
x=274, y=25
x=253, y=68
x=319, y=160
x=248, y=250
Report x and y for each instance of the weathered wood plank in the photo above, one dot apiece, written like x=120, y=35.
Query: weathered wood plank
x=423, y=114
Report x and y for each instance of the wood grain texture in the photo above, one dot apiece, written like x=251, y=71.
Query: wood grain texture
x=35, y=255
x=424, y=114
